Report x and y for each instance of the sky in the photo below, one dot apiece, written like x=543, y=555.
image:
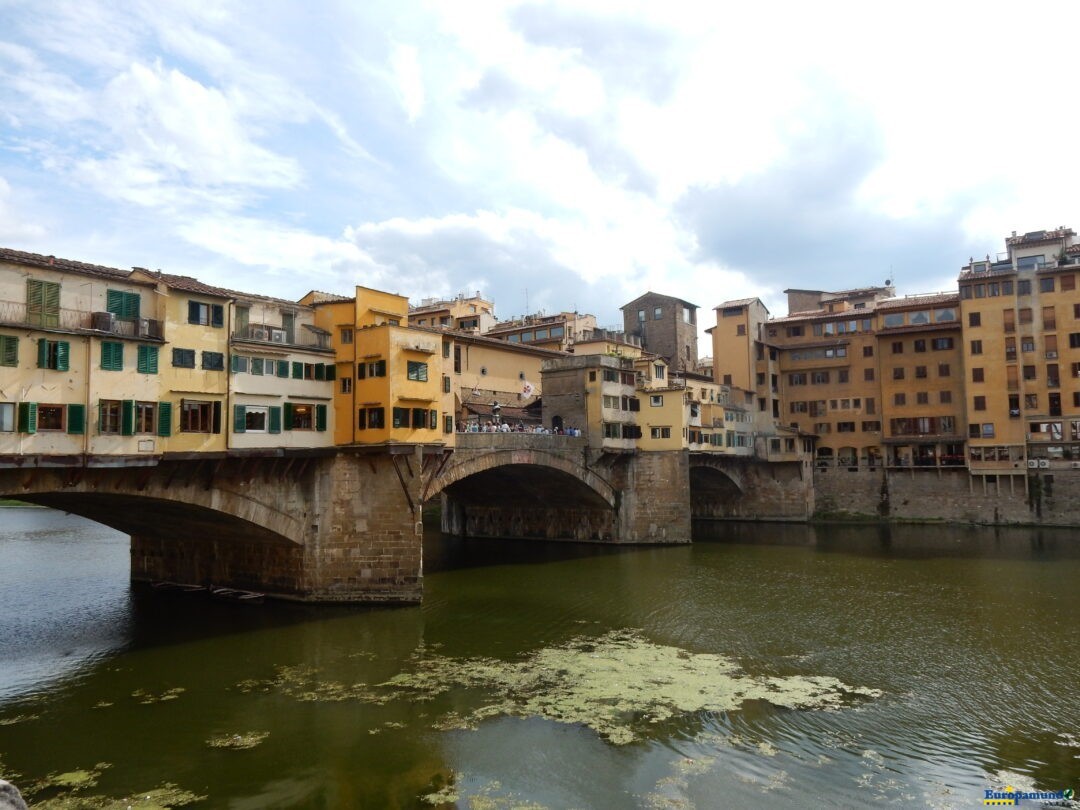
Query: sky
x=553, y=156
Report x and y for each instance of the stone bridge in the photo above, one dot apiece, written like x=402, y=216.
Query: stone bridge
x=345, y=524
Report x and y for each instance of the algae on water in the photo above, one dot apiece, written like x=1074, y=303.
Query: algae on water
x=238, y=742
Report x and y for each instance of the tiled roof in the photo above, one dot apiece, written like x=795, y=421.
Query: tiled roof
x=825, y=315
x=1036, y=237
x=467, y=337
x=189, y=284
x=930, y=299
x=320, y=297
x=657, y=295
x=738, y=302
x=64, y=265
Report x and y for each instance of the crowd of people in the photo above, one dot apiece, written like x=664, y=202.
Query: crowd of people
x=505, y=427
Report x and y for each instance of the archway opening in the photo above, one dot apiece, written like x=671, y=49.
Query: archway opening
x=713, y=494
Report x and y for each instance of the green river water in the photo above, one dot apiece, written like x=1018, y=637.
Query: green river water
x=763, y=666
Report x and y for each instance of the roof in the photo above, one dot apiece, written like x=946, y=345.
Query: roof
x=320, y=297
x=193, y=285
x=739, y=302
x=652, y=294
x=1039, y=237
x=506, y=412
x=929, y=299
x=63, y=265
x=462, y=336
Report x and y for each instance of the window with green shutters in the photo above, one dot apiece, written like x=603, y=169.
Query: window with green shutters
x=320, y=371
x=297, y=372
x=53, y=354
x=275, y=419
x=283, y=368
x=42, y=302
x=320, y=417
x=164, y=425
x=288, y=413
x=127, y=417
x=417, y=371
x=27, y=417
x=400, y=417
x=76, y=419
x=206, y=314
x=124, y=305
x=148, y=360
x=331, y=371
x=239, y=419
x=9, y=350
x=112, y=356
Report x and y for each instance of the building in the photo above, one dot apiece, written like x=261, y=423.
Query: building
x=1021, y=320
x=474, y=314
x=666, y=326
x=559, y=332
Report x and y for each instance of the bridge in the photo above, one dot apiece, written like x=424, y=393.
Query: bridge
x=344, y=524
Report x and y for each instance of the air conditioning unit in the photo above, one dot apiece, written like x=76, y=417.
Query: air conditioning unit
x=259, y=334
x=277, y=335
x=1032, y=464
x=1075, y=465
x=142, y=327
x=1051, y=355
x=103, y=321
x=1044, y=463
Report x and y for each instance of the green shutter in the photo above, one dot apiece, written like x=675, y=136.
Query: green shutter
x=112, y=356
x=164, y=419
x=239, y=419
x=297, y=372
x=283, y=368
x=331, y=371
x=42, y=353
x=76, y=419
x=9, y=350
x=27, y=417
x=380, y=368
x=131, y=307
x=148, y=360
x=216, y=426
x=320, y=417
x=288, y=414
x=115, y=303
x=127, y=417
x=275, y=419
x=217, y=315
x=62, y=354
x=320, y=371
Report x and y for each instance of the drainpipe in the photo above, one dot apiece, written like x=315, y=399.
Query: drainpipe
x=86, y=413
x=227, y=417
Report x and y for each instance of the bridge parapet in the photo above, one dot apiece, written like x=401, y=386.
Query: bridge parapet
x=549, y=442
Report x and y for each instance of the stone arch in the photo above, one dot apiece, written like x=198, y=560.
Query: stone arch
x=464, y=466
x=716, y=489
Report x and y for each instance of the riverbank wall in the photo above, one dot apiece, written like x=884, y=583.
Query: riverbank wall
x=947, y=495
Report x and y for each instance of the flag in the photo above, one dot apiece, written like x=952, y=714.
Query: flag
x=528, y=389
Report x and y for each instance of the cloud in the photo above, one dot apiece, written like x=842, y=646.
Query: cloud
x=409, y=79
x=14, y=228
x=807, y=212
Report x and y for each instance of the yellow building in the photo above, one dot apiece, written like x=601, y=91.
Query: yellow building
x=1021, y=317
x=559, y=332
x=78, y=359
x=474, y=314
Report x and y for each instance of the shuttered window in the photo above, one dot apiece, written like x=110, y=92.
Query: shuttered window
x=112, y=356
x=164, y=424
x=320, y=417
x=27, y=417
x=283, y=368
x=9, y=350
x=42, y=302
x=124, y=305
x=147, y=362
x=53, y=354
x=275, y=419
x=76, y=419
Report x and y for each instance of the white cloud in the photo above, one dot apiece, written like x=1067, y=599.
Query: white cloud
x=14, y=228
x=409, y=79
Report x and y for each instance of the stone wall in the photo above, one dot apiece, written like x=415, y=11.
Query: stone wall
x=949, y=495
x=654, y=503
x=749, y=489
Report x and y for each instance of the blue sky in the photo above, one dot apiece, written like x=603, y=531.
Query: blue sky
x=571, y=155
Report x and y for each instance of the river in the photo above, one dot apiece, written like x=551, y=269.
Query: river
x=765, y=665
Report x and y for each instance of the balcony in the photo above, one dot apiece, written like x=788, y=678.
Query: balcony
x=276, y=334
x=74, y=320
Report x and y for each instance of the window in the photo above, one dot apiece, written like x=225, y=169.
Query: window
x=794, y=331
x=1027, y=344
x=979, y=403
x=920, y=372
x=660, y=432
x=898, y=347
x=124, y=305
x=922, y=398
x=871, y=427
x=841, y=376
x=657, y=313
x=200, y=417
x=109, y=416
x=214, y=361
x=1025, y=315
x=940, y=344
x=50, y=417
x=868, y=374
x=250, y=418
x=374, y=418
x=974, y=319
x=686, y=315
x=1049, y=317
x=945, y=397
x=373, y=369
x=641, y=315
x=417, y=371
x=1009, y=320
x=1046, y=284
x=183, y=358
x=1074, y=340
x=976, y=347
x=1029, y=372
x=7, y=417
x=1068, y=282
x=798, y=378
x=943, y=370
x=740, y=329
x=920, y=345
x=845, y=427
x=401, y=417
x=112, y=356
x=819, y=378
x=147, y=360
x=656, y=401
x=1023, y=287
x=658, y=371
x=346, y=336
x=53, y=354
x=898, y=373
x=303, y=416
x=346, y=385
x=899, y=399
x=448, y=423
x=977, y=375
x=206, y=314
x=867, y=351
x=144, y=417
x=42, y=302
x=9, y=350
